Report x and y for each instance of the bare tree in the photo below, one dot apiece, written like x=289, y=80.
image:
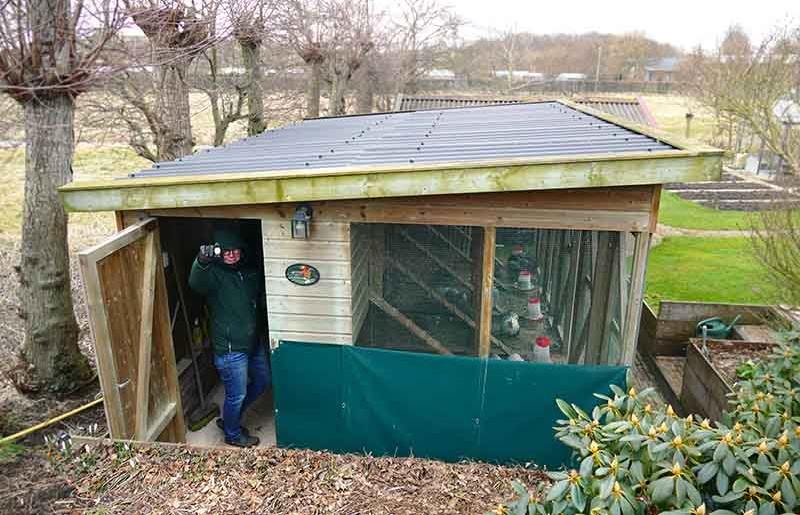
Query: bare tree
x=177, y=33
x=776, y=244
x=304, y=28
x=226, y=96
x=509, y=46
x=251, y=21
x=50, y=52
x=420, y=31
x=758, y=90
x=352, y=26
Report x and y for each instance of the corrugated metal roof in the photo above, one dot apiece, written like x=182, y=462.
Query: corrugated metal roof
x=631, y=109
x=473, y=134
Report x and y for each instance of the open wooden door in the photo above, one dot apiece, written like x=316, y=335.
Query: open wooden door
x=129, y=315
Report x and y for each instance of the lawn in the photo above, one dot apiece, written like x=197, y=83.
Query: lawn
x=676, y=212
x=91, y=162
x=706, y=269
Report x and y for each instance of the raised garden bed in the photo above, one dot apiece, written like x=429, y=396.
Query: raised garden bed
x=708, y=379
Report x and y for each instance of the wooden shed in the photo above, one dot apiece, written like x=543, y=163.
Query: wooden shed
x=471, y=232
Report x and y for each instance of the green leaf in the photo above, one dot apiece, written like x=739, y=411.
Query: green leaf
x=722, y=512
x=788, y=496
x=627, y=509
x=680, y=491
x=729, y=464
x=557, y=490
x=573, y=441
x=566, y=409
x=766, y=509
x=772, y=480
x=636, y=471
x=741, y=484
x=773, y=426
x=707, y=472
x=729, y=497
x=661, y=489
x=722, y=483
x=578, y=499
x=605, y=487
x=721, y=452
x=586, y=466
x=694, y=494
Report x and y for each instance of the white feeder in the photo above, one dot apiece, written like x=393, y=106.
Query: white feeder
x=541, y=351
x=535, y=308
x=524, y=281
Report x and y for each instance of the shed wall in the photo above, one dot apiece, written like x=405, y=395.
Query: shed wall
x=321, y=312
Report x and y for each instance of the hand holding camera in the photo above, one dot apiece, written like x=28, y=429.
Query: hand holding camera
x=210, y=253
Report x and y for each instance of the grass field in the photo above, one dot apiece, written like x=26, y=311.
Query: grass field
x=676, y=212
x=706, y=269
x=91, y=162
x=670, y=113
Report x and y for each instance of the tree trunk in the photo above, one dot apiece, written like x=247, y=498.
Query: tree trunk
x=251, y=57
x=366, y=90
x=337, y=105
x=175, y=137
x=312, y=97
x=51, y=332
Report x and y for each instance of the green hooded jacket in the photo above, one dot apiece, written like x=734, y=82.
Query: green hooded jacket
x=235, y=298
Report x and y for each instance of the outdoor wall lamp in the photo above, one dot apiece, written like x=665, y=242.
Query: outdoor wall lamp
x=301, y=222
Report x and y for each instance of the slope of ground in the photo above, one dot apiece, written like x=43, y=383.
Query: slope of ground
x=706, y=269
x=113, y=479
x=677, y=212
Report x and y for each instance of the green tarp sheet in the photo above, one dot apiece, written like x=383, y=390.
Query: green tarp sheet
x=352, y=399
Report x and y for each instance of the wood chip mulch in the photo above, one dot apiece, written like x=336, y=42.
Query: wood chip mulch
x=279, y=481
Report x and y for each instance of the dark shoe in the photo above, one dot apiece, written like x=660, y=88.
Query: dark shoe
x=243, y=441
x=221, y=425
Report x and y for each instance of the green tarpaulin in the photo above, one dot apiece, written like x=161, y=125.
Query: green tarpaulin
x=352, y=399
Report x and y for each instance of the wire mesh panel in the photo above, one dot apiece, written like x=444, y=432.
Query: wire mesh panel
x=425, y=298
x=559, y=296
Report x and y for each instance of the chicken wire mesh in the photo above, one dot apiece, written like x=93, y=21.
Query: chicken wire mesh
x=546, y=305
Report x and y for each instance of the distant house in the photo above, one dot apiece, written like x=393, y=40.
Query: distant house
x=440, y=74
x=232, y=70
x=661, y=70
x=520, y=75
x=567, y=77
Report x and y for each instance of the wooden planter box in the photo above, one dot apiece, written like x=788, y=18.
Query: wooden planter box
x=704, y=390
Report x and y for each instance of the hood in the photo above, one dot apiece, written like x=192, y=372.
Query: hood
x=229, y=238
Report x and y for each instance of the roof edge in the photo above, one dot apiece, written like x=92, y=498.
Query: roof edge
x=270, y=187
x=138, y=182
x=655, y=133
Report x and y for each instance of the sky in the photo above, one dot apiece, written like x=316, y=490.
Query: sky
x=684, y=23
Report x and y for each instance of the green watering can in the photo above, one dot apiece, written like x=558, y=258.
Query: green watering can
x=715, y=328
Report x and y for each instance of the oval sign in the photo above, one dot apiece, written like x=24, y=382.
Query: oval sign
x=302, y=274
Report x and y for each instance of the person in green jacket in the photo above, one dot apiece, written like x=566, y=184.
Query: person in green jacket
x=234, y=292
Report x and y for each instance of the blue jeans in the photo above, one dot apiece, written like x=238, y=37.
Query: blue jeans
x=245, y=377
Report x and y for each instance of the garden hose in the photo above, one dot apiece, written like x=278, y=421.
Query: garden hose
x=33, y=429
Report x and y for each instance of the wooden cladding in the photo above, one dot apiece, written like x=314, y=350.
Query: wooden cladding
x=322, y=312
x=632, y=208
x=128, y=307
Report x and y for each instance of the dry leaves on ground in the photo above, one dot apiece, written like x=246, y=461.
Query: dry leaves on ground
x=280, y=481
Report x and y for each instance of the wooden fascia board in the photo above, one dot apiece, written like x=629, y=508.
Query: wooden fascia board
x=271, y=187
x=660, y=135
